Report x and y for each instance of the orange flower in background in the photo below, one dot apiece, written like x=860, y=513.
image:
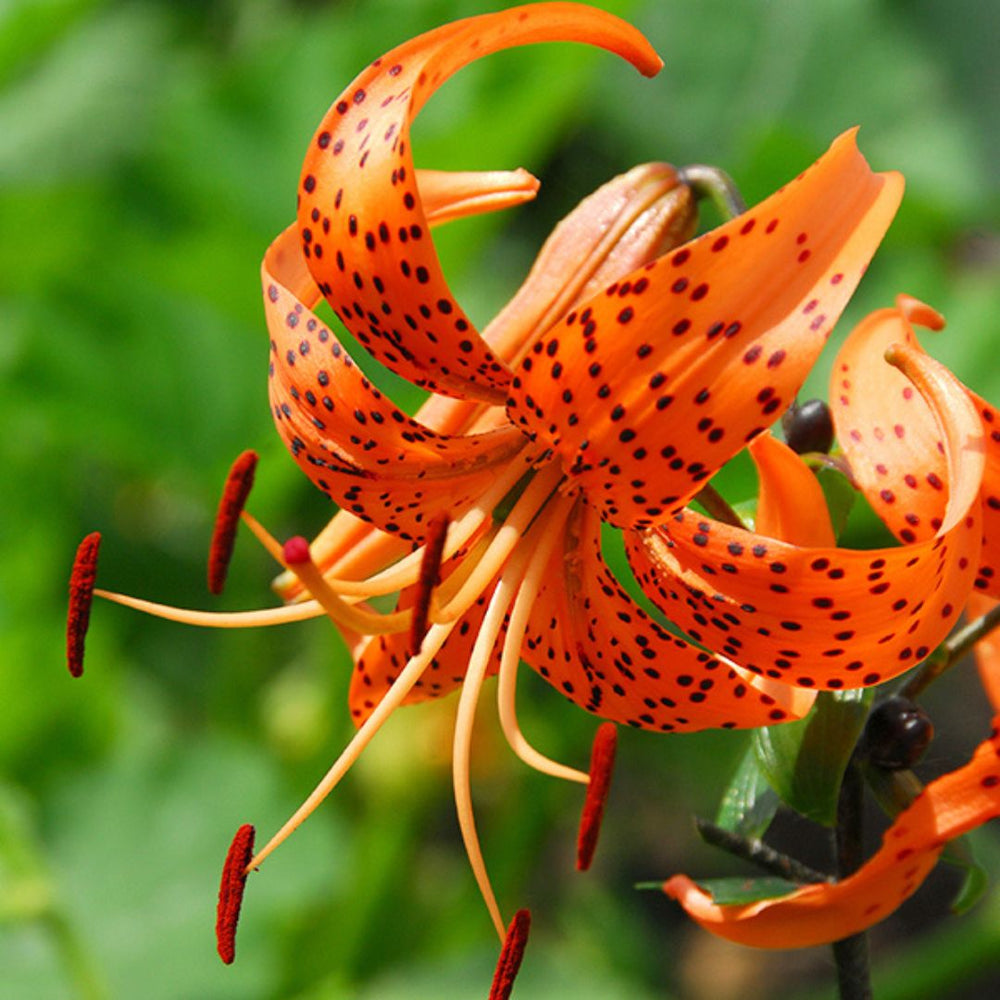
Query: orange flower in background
x=826, y=912
x=625, y=372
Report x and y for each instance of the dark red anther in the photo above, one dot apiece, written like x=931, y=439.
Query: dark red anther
x=234, y=880
x=227, y=519
x=430, y=577
x=81, y=596
x=602, y=760
x=296, y=551
x=510, y=956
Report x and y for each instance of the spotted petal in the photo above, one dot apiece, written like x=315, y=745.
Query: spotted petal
x=826, y=616
x=650, y=387
x=596, y=646
x=825, y=912
x=363, y=452
x=893, y=443
x=362, y=225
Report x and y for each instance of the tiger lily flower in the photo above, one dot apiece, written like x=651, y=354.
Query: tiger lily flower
x=824, y=912
x=620, y=378
x=893, y=443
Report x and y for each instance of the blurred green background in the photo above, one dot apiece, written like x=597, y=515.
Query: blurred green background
x=149, y=151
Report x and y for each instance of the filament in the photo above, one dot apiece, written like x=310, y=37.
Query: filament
x=510, y=658
x=394, y=697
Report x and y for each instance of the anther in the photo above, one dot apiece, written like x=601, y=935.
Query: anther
x=602, y=760
x=430, y=577
x=81, y=596
x=510, y=956
x=234, y=496
x=234, y=880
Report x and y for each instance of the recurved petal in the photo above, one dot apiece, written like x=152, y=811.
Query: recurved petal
x=366, y=454
x=790, y=502
x=987, y=650
x=825, y=616
x=591, y=641
x=363, y=228
x=892, y=441
x=825, y=912
x=644, y=393
x=628, y=221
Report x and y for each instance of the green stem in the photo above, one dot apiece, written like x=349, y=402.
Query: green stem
x=717, y=186
x=758, y=853
x=950, y=652
x=851, y=953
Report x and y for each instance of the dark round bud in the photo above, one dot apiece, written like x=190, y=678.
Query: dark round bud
x=808, y=426
x=897, y=734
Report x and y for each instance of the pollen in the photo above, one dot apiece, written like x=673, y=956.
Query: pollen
x=81, y=596
x=602, y=761
x=430, y=577
x=234, y=497
x=511, y=956
x=231, y=887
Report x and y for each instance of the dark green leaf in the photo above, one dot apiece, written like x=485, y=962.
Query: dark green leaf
x=976, y=881
x=804, y=761
x=749, y=803
x=734, y=891
x=840, y=497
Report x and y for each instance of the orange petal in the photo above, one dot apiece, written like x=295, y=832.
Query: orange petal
x=987, y=650
x=825, y=616
x=363, y=452
x=892, y=440
x=825, y=912
x=625, y=223
x=453, y=194
x=362, y=226
x=646, y=392
x=596, y=646
x=790, y=504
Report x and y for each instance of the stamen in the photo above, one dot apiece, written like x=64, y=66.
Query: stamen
x=507, y=537
x=479, y=661
x=511, y=656
x=273, y=546
x=430, y=577
x=218, y=619
x=602, y=761
x=510, y=956
x=405, y=572
x=296, y=557
x=81, y=596
x=392, y=699
x=234, y=879
x=234, y=496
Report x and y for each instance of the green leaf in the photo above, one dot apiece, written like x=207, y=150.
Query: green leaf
x=804, y=761
x=736, y=891
x=840, y=497
x=894, y=790
x=749, y=802
x=976, y=881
